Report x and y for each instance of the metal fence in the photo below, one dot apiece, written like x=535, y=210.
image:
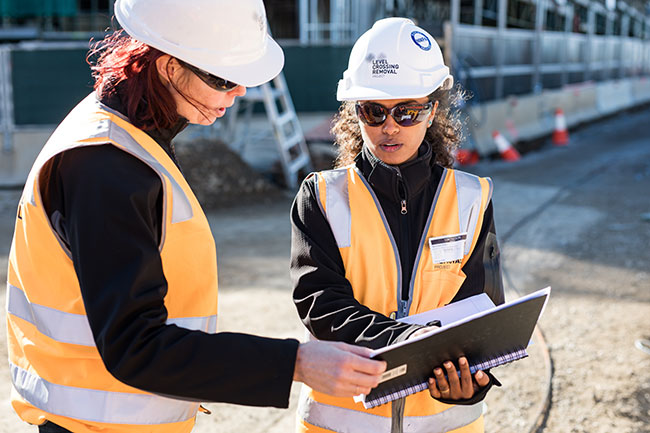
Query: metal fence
x=54, y=19
x=31, y=99
x=495, y=63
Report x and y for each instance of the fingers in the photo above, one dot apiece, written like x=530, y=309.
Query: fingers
x=336, y=369
x=449, y=384
x=454, y=380
x=421, y=331
x=361, y=362
x=438, y=385
x=358, y=350
x=482, y=379
x=466, y=385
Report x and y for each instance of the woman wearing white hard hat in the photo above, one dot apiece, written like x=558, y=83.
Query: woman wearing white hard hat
x=112, y=281
x=393, y=231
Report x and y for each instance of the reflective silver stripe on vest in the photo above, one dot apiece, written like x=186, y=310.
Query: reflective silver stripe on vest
x=70, y=132
x=181, y=207
x=99, y=406
x=337, y=205
x=74, y=328
x=206, y=324
x=339, y=419
x=468, y=189
x=58, y=325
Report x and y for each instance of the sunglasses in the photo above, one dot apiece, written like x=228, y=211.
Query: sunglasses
x=407, y=114
x=213, y=81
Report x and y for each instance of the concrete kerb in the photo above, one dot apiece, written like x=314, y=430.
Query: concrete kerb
x=533, y=116
x=527, y=112
x=613, y=96
x=580, y=103
x=640, y=90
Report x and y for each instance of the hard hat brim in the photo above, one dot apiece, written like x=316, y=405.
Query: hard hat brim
x=369, y=94
x=249, y=74
x=255, y=73
x=358, y=93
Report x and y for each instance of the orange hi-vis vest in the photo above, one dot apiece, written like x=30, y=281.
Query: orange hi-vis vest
x=56, y=369
x=373, y=268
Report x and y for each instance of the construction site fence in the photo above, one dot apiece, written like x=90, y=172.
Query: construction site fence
x=602, y=75
x=530, y=117
x=494, y=63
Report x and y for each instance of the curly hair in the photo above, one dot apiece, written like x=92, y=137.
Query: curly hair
x=444, y=135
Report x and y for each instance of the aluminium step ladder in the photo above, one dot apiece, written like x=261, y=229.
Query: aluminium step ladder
x=281, y=114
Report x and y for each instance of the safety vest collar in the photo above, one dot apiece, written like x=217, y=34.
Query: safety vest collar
x=113, y=128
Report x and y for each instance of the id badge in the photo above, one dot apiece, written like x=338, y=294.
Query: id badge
x=447, y=249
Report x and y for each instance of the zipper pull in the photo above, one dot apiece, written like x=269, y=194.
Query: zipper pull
x=403, y=211
x=204, y=410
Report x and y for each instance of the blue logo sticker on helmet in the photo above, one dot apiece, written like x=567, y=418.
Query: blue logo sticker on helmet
x=421, y=40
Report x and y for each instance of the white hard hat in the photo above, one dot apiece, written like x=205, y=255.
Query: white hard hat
x=227, y=38
x=395, y=59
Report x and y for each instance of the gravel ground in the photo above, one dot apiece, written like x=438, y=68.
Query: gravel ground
x=570, y=218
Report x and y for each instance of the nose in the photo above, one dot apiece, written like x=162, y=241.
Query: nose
x=238, y=91
x=390, y=127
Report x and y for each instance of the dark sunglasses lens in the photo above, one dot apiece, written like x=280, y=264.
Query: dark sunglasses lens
x=409, y=115
x=218, y=83
x=371, y=114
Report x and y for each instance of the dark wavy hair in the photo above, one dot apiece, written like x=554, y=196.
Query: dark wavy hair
x=445, y=133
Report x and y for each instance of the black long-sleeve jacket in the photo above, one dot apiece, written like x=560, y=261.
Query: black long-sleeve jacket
x=324, y=297
x=107, y=206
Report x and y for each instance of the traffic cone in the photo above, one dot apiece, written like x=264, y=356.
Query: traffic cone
x=466, y=156
x=508, y=153
x=560, y=134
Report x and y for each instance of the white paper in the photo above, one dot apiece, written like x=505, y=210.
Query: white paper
x=470, y=309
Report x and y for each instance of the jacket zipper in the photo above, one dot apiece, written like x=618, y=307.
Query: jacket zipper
x=404, y=235
x=398, y=411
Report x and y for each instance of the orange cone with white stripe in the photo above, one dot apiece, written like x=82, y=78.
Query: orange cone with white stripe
x=508, y=153
x=560, y=133
x=466, y=156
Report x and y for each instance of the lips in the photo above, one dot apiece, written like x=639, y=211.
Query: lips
x=390, y=147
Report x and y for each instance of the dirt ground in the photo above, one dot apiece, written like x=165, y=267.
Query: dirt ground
x=571, y=218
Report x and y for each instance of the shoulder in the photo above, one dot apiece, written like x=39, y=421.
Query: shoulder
x=106, y=166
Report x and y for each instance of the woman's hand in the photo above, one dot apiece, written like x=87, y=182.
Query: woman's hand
x=336, y=368
x=456, y=388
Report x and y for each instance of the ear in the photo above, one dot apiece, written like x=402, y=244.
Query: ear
x=433, y=113
x=166, y=66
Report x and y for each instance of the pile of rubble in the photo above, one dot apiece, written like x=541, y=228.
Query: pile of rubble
x=219, y=177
